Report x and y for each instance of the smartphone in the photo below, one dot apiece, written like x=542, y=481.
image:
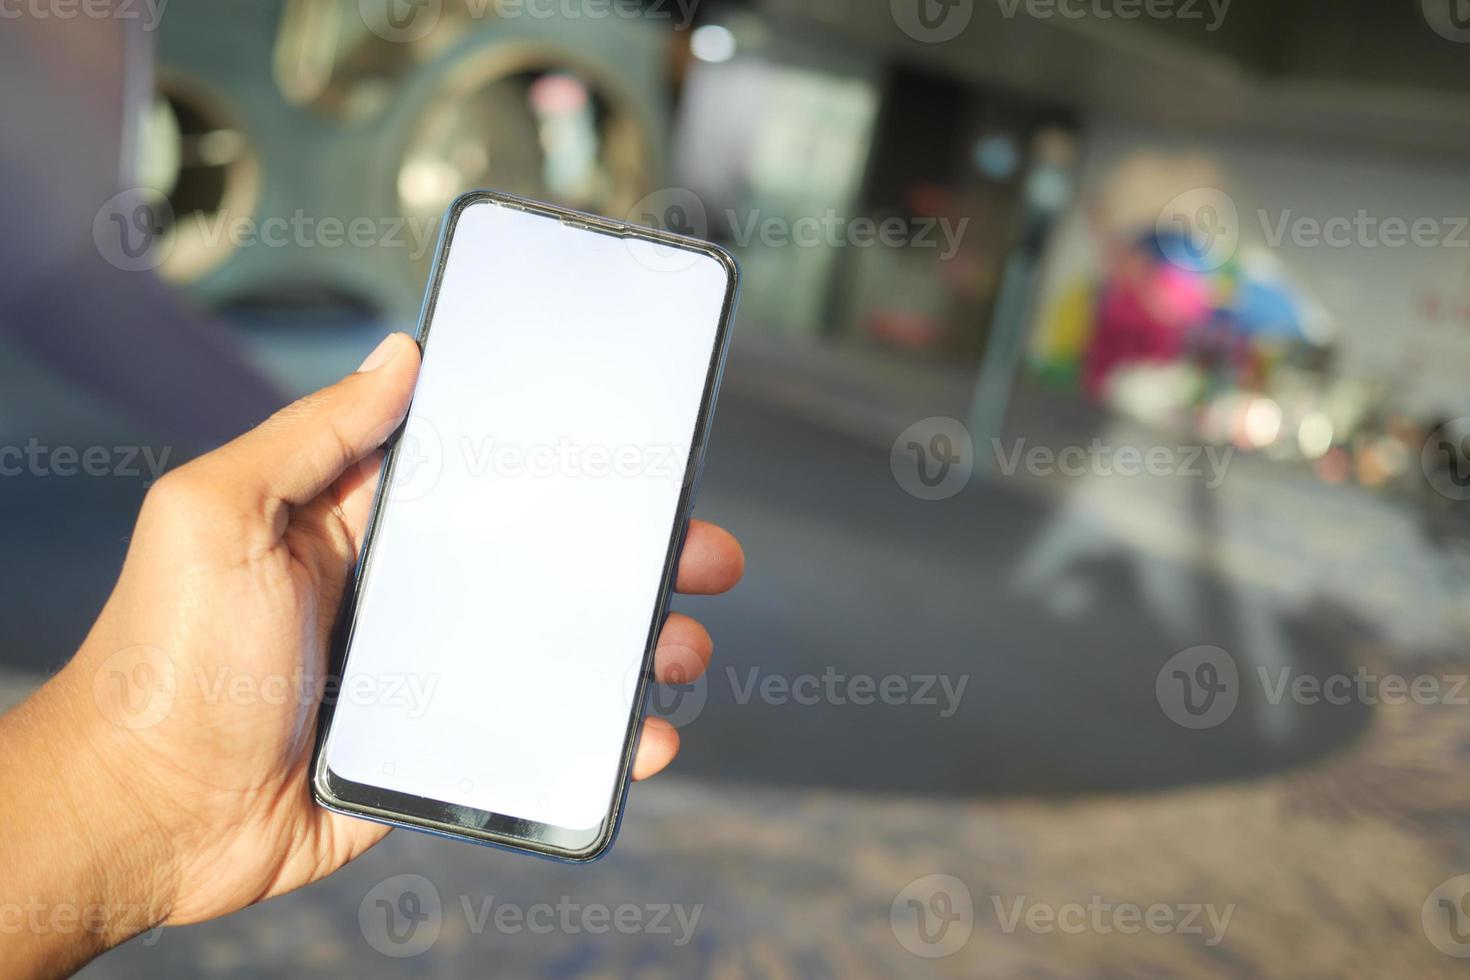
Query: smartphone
x=494, y=653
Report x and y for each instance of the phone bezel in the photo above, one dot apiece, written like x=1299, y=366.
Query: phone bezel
x=499, y=830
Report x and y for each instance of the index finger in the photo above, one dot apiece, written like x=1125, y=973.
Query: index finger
x=712, y=560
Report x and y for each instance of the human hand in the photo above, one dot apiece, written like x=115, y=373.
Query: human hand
x=180, y=736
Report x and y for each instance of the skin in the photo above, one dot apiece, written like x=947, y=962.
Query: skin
x=161, y=777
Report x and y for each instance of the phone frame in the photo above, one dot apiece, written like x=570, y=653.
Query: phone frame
x=491, y=829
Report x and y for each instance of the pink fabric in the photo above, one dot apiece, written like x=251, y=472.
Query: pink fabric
x=1143, y=319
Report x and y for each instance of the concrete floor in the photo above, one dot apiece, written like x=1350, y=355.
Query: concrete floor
x=1054, y=604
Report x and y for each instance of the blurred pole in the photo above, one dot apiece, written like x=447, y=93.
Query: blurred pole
x=1003, y=345
x=1048, y=191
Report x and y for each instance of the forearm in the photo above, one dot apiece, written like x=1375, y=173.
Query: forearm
x=81, y=868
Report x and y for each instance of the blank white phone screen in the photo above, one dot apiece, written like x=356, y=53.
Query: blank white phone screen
x=517, y=562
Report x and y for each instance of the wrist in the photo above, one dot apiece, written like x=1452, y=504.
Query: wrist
x=92, y=863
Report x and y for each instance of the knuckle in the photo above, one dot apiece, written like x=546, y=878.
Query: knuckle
x=174, y=489
x=196, y=510
x=187, y=490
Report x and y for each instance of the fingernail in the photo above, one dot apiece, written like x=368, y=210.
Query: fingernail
x=381, y=354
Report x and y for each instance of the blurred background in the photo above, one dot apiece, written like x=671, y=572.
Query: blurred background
x=1096, y=424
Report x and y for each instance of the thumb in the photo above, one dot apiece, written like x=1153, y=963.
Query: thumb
x=297, y=453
